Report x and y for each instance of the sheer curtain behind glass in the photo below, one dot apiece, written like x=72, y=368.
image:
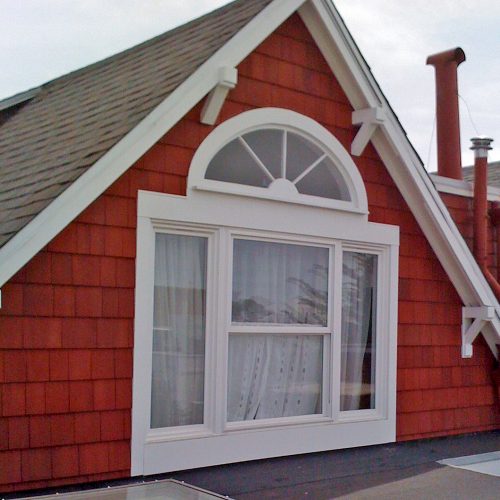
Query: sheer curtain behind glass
x=278, y=283
x=274, y=375
x=359, y=292
x=179, y=330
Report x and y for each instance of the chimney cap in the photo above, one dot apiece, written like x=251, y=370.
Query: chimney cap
x=452, y=55
x=481, y=142
x=481, y=146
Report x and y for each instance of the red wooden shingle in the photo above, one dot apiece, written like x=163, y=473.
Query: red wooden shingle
x=35, y=398
x=94, y=458
x=10, y=467
x=37, y=366
x=65, y=461
x=18, y=432
x=57, y=397
x=13, y=399
x=36, y=464
x=104, y=394
x=39, y=431
x=62, y=429
x=87, y=427
x=81, y=396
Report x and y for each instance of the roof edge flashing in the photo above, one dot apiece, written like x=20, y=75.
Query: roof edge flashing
x=20, y=98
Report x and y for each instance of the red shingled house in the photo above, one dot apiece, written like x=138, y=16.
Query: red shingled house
x=220, y=246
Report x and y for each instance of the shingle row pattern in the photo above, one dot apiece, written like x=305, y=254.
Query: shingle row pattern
x=493, y=174
x=74, y=120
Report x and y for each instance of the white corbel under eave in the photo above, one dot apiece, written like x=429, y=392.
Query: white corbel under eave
x=228, y=78
x=369, y=119
x=473, y=320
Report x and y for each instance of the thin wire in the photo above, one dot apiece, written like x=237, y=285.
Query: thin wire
x=470, y=115
x=430, y=143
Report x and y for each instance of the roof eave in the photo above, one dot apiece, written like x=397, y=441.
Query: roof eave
x=67, y=206
x=402, y=161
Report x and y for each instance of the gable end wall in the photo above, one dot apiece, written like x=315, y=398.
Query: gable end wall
x=66, y=325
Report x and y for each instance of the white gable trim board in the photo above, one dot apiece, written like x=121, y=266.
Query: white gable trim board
x=402, y=162
x=64, y=209
x=355, y=78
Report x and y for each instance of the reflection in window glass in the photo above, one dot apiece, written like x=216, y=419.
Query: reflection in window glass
x=325, y=181
x=233, y=163
x=256, y=159
x=279, y=283
x=267, y=144
x=178, y=330
x=359, y=305
x=272, y=376
x=301, y=153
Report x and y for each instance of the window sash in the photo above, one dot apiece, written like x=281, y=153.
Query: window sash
x=264, y=273
x=215, y=409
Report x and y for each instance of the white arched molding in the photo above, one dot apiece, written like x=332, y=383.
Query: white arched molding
x=290, y=121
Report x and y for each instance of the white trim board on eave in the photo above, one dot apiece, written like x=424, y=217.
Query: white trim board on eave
x=402, y=162
x=461, y=187
x=68, y=205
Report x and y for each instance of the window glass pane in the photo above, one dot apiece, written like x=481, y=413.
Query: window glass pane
x=324, y=180
x=359, y=306
x=273, y=376
x=279, y=283
x=301, y=153
x=267, y=144
x=178, y=330
x=233, y=163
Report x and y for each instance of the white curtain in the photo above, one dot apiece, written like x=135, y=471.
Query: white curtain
x=274, y=375
x=278, y=283
x=178, y=331
x=358, y=331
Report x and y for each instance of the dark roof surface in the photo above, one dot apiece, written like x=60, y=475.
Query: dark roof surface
x=493, y=174
x=50, y=140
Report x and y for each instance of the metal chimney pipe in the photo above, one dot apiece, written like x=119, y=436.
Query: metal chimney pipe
x=481, y=146
x=447, y=114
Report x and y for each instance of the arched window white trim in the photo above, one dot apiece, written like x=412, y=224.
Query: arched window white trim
x=278, y=186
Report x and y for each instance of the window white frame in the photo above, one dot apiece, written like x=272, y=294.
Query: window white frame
x=204, y=213
x=222, y=211
x=288, y=329
x=287, y=120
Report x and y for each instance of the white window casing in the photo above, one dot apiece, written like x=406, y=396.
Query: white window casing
x=280, y=119
x=222, y=215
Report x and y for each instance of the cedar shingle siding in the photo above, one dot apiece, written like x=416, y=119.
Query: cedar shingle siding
x=74, y=120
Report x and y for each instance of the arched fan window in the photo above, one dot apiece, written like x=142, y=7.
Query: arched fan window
x=269, y=157
x=282, y=155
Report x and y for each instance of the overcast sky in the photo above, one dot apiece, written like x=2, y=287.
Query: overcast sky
x=43, y=39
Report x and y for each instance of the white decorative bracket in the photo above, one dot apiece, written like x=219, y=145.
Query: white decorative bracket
x=473, y=320
x=369, y=119
x=228, y=78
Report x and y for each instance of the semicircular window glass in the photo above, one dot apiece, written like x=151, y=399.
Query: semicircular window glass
x=270, y=156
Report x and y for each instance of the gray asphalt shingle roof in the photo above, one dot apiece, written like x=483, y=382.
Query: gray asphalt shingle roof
x=49, y=141
x=493, y=174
